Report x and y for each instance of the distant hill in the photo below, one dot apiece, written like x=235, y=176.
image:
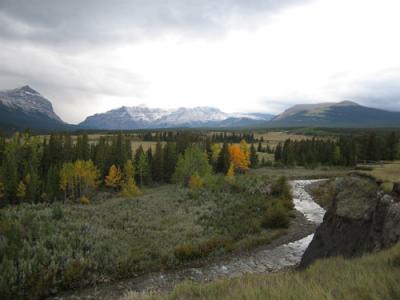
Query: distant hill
x=142, y=117
x=341, y=114
x=24, y=108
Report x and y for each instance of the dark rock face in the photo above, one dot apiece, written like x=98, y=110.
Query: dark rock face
x=361, y=219
x=396, y=190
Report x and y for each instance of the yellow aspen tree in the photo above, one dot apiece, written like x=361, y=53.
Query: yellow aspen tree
x=238, y=158
x=244, y=147
x=129, y=187
x=230, y=175
x=113, y=179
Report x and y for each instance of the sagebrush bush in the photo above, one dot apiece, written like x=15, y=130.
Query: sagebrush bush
x=276, y=216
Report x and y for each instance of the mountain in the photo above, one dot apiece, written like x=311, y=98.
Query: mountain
x=341, y=114
x=24, y=108
x=142, y=117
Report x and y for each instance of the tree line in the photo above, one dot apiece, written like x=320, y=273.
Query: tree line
x=60, y=167
x=342, y=151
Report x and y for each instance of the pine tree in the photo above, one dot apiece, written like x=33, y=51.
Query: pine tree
x=278, y=153
x=223, y=159
x=170, y=159
x=157, y=167
x=259, y=147
x=253, y=157
x=2, y=191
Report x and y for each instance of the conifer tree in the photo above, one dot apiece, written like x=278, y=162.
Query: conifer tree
x=253, y=157
x=2, y=192
x=259, y=147
x=170, y=159
x=157, y=165
x=223, y=159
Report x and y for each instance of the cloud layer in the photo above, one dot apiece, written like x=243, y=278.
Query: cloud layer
x=91, y=56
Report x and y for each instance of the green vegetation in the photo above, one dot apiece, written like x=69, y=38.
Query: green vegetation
x=47, y=247
x=373, y=276
x=387, y=173
x=342, y=151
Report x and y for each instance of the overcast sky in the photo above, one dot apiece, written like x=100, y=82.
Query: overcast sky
x=239, y=55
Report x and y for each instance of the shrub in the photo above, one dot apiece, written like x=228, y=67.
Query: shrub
x=276, y=216
x=57, y=213
x=84, y=200
x=186, y=252
x=281, y=188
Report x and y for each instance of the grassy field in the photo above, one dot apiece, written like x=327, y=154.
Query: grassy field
x=303, y=173
x=388, y=173
x=374, y=276
x=64, y=246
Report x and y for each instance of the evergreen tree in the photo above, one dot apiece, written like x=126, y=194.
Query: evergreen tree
x=157, y=167
x=224, y=160
x=170, y=160
x=253, y=157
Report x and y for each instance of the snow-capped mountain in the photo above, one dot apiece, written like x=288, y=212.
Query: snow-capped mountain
x=141, y=117
x=24, y=107
x=29, y=101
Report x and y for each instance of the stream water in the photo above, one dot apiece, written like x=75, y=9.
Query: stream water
x=272, y=258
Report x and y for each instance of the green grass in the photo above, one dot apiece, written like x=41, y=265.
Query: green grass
x=302, y=173
x=48, y=246
x=375, y=277
x=388, y=173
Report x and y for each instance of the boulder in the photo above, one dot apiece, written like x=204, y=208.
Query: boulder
x=362, y=219
x=396, y=190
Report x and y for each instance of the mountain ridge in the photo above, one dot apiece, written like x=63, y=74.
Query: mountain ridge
x=23, y=108
x=142, y=117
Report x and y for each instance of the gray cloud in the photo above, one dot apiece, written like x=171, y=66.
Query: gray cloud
x=75, y=22
x=381, y=90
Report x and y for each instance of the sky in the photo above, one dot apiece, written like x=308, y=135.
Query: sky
x=237, y=55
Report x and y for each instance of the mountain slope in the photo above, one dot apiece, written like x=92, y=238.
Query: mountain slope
x=24, y=108
x=341, y=114
x=140, y=117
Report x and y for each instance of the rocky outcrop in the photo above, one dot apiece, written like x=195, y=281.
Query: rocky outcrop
x=361, y=219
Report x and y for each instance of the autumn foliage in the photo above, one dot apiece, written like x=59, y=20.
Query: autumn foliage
x=76, y=178
x=240, y=156
x=114, y=177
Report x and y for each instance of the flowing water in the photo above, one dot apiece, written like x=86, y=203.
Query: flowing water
x=270, y=259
